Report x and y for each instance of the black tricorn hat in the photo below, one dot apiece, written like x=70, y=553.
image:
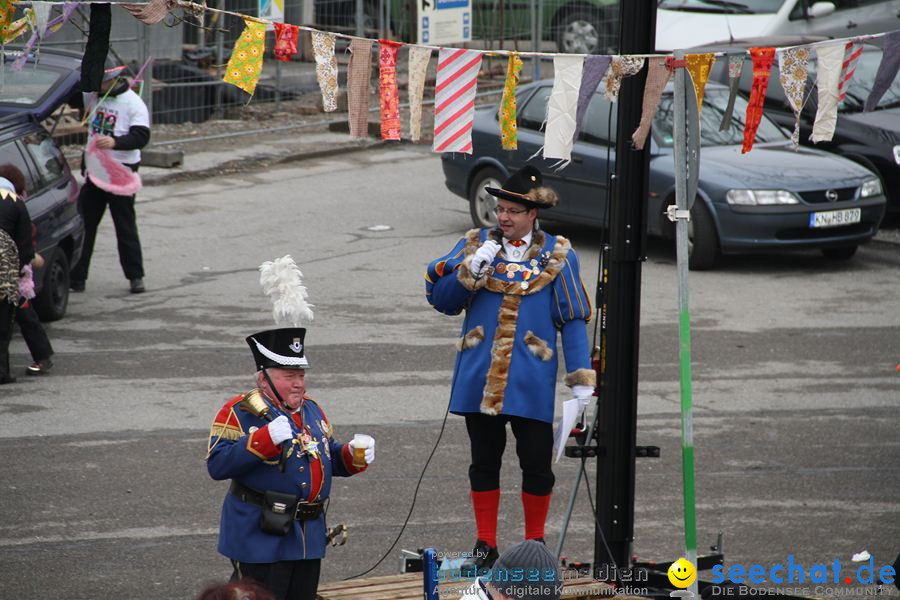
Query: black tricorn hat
x=525, y=186
x=279, y=348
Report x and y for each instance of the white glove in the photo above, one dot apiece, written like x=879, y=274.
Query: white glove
x=484, y=256
x=584, y=394
x=280, y=430
x=361, y=440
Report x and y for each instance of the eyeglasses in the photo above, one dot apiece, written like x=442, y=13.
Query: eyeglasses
x=499, y=210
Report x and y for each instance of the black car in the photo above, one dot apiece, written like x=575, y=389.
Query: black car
x=870, y=138
x=26, y=98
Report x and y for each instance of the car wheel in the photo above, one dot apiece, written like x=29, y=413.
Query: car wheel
x=482, y=204
x=703, y=241
x=841, y=253
x=51, y=303
x=583, y=31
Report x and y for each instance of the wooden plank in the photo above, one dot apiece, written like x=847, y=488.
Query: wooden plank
x=408, y=586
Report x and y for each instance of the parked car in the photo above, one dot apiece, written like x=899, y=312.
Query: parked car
x=872, y=139
x=686, y=23
x=577, y=26
x=27, y=97
x=770, y=199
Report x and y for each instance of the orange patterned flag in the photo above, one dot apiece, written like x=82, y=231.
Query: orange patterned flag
x=245, y=65
x=762, y=70
x=390, y=95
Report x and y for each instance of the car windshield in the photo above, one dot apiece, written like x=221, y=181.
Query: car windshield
x=749, y=7
x=861, y=85
x=27, y=86
x=714, y=102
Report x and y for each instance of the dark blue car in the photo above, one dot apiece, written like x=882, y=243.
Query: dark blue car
x=773, y=198
x=27, y=97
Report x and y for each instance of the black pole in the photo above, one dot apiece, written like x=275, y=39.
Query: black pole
x=628, y=218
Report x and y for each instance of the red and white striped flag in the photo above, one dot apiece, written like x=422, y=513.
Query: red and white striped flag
x=852, y=52
x=454, y=99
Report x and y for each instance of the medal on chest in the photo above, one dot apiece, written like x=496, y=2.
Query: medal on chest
x=308, y=445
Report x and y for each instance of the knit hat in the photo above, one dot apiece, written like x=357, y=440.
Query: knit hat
x=527, y=571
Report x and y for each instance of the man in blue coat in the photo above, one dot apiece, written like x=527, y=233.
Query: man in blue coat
x=519, y=287
x=276, y=446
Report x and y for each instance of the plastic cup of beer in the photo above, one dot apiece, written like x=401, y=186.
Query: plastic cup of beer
x=358, y=445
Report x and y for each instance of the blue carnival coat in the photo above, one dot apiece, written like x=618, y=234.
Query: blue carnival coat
x=241, y=449
x=507, y=362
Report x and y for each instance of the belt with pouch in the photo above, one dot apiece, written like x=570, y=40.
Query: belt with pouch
x=302, y=511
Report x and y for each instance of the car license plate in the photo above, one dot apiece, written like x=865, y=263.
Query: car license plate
x=835, y=218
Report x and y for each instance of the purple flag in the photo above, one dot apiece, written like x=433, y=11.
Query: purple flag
x=595, y=67
x=887, y=70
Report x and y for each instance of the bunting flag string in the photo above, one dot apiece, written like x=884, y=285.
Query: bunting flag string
x=828, y=73
x=286, y=37
x=762, y=69
x=454, y=99
x=562, y=107
x=51, y=27
x=418, y=58
x=359, y=74
x=619, y=68
x=887, y=69
x=509, y=136
x=699, y=66
x=658, y=75
x=150, y=13
x=326, y=69
x=735, y=66
x=245, y=65
x=852, y=52
x=595, y=68
x=793, y=73
x=388, y=91
x=836, y=67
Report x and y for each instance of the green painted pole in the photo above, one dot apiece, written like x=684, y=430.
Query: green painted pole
x=682, y=88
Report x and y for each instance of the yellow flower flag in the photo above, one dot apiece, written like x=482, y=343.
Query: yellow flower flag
x=245, y=65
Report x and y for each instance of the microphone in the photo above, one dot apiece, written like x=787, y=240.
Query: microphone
x=495, y=234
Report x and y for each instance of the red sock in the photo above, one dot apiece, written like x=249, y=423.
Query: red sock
x=486, y=505
x=536, y=509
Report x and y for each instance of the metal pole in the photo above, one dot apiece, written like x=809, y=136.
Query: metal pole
x=381, y=32
x=359, y=19
x=684, y=316
x=539, y=26
x=147, y=87
x=535, y=44
x=220, y=58
x=618, y=407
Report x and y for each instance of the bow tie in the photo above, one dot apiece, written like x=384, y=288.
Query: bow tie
x=517, y=243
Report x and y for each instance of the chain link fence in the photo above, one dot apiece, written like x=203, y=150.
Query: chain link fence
x=185, y=83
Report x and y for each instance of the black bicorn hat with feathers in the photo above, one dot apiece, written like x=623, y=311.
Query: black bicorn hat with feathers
x=525, y=186
x=283, y=348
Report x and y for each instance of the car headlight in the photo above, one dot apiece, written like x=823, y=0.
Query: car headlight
x=897, y=154
x=760, y=197
x=871, y=188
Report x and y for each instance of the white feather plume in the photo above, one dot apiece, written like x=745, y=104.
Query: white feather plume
x=281, y=282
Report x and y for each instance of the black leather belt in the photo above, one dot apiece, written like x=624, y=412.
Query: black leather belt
x=303, y=511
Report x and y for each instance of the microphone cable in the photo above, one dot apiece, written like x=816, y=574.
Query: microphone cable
x=430, y=456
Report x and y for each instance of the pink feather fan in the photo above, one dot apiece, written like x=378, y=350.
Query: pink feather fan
x=107, y=173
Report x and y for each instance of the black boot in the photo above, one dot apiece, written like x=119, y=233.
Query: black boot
x=482, y=559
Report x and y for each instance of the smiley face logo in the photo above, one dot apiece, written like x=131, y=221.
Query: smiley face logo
x=682, y=573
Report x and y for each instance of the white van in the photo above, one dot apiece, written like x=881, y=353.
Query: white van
x=686, y=23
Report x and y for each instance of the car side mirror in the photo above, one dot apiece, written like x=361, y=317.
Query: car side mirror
x=821, y=9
